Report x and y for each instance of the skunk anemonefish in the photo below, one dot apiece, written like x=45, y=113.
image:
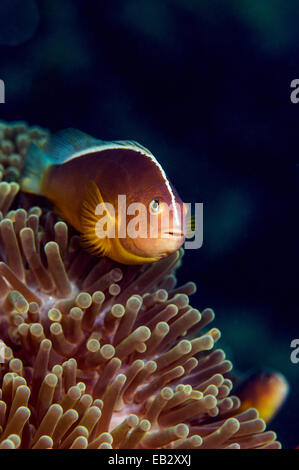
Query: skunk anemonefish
x=265, y=391
x=78, y=173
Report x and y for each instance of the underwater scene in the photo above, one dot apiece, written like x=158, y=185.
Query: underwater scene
x=148, y=224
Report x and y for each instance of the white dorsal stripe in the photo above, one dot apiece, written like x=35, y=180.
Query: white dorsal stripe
x=147, y=153
x=151, y=156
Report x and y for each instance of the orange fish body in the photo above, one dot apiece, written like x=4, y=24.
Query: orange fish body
x=66, y=184
x=79, y=174
x=264, y=391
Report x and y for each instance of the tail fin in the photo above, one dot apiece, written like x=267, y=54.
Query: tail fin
x=35, y=163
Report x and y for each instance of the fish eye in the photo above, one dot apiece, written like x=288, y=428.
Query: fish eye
x=154, y=206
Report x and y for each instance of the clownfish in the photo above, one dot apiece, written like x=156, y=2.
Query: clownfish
x=81, y=174
x=265, y=391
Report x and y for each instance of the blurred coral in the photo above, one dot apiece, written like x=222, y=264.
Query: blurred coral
x=14, y=142
x=98, y=354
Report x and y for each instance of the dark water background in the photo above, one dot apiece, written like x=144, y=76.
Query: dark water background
x=206, y=86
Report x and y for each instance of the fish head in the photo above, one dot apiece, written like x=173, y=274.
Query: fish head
x=155, y=218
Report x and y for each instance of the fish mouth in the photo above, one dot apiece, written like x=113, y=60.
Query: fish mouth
x=174, y=233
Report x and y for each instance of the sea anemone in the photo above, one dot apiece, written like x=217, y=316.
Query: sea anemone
x=100, y=355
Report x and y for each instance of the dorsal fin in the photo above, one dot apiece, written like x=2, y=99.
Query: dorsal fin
x=67, y=143
x=132, y=144
x=71, y=143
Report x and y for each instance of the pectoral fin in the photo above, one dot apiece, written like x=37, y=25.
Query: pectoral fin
x=94, y=213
